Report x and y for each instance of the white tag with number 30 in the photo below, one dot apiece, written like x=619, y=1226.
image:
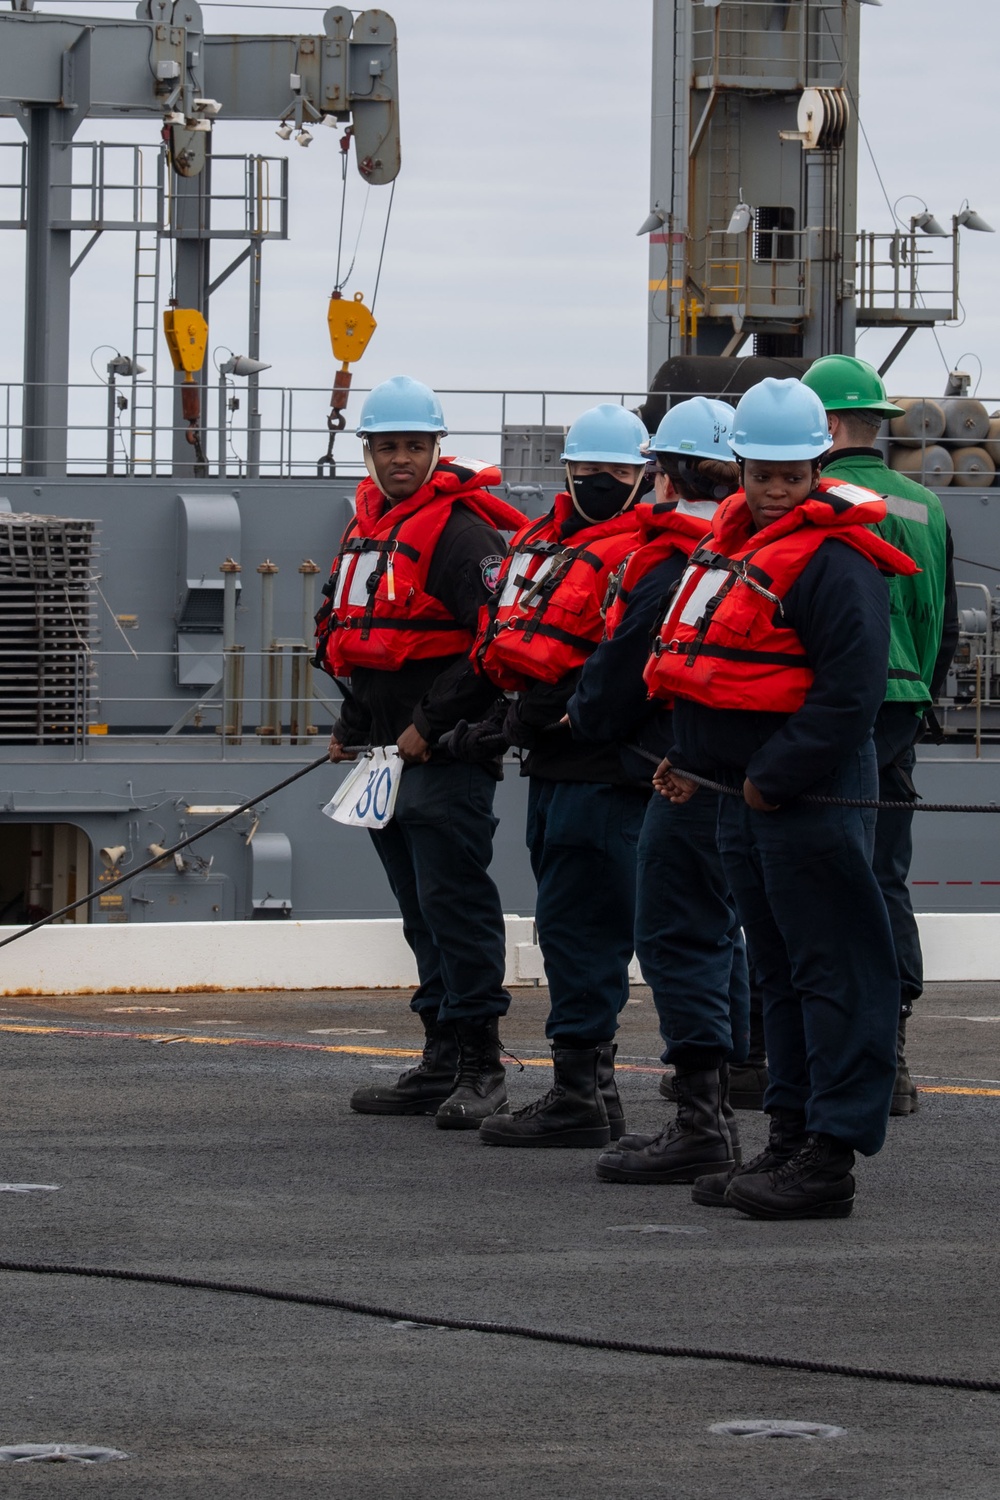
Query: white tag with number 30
x=367, y=796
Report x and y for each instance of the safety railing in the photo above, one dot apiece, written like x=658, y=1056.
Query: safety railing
x=761, y=273
x=245, y=196
x=521, y=429
x=728, y=46
x=116, y=185
x=267, y=697
x=945, y=440
x=112, y=185
x=906, y=278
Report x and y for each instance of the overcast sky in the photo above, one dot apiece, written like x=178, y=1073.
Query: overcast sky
x=512, y=258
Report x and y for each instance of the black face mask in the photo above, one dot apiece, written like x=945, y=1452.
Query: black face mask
x=601, y=496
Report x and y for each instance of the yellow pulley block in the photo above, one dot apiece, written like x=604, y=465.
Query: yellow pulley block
x=187, y=338
x=351, y=326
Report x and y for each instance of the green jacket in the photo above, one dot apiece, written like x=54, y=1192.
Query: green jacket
x=916, y=524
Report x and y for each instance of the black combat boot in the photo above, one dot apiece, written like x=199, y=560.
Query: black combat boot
x=419, y=1090
x=748, y=1080
x=633, y=1142
x=747, y=1083
x=815, y=1183
x=787, y=1135
x=904, y=1091
x=481, y=1087
x=701, y=1137
x=609, y=1089
x=572, y=1113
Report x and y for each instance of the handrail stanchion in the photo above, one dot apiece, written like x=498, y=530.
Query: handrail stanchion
x=232, y=660
x=270, y=659
x=302, y=667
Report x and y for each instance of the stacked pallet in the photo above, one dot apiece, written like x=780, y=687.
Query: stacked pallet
x=952, y=440
x=48, y=628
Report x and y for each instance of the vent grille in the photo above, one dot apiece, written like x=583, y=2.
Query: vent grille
x=48, y=628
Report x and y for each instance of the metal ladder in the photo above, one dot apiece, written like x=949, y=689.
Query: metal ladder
x=145, y=347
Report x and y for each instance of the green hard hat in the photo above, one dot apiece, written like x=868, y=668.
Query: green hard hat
x=844, y=384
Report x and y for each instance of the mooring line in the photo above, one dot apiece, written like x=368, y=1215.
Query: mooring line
x=506, y=1330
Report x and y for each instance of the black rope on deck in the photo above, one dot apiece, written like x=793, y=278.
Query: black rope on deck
x=506, y=1330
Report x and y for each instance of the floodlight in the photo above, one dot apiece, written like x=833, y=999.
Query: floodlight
x=124, y=366
x=655, y=219
x=927, y=223
x=242, y=364
x=969, y=219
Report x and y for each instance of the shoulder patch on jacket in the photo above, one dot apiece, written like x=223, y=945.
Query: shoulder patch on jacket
x=491, y=571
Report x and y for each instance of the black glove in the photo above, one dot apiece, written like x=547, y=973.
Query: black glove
x=475, y=744
x=518, y=733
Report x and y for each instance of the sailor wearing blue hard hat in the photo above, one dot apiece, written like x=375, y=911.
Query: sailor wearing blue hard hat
x=775, y=652
x=584, y=806
x=686, y=933
x=414, y=567
x=924, y=629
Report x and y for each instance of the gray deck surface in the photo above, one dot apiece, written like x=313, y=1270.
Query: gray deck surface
x=244, y=1162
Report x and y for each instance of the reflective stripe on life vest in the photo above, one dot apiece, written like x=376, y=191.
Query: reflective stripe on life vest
x=545, y=618
x=665, y=530
x=378, y=612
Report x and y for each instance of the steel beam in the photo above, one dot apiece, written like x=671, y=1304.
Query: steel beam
x=122, y=67
x=253, y=350
x=192, y=230
x=350, y=73
x=46, y=293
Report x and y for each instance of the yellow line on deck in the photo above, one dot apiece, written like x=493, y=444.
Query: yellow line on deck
x=940, y=1088
x=196, y=1040
x=199, y=1040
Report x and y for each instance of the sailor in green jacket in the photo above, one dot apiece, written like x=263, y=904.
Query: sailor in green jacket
x=924, y=634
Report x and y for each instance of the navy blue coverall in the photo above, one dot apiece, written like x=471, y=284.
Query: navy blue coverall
x=585, y=811
x=801, y=877
x=437, y=849
x=687, y=936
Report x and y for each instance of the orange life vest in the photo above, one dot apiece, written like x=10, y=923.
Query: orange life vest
x=720, y=644
x=665, y=529
x=378, y=612
x=545, y=617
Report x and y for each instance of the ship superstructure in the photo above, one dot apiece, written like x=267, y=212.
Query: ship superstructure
x=164, y=531
x=757, y=266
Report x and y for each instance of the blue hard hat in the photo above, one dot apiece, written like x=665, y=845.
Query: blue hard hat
x=606, y=435
x=401, y=405
x=782, y=420
x=699, y=428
